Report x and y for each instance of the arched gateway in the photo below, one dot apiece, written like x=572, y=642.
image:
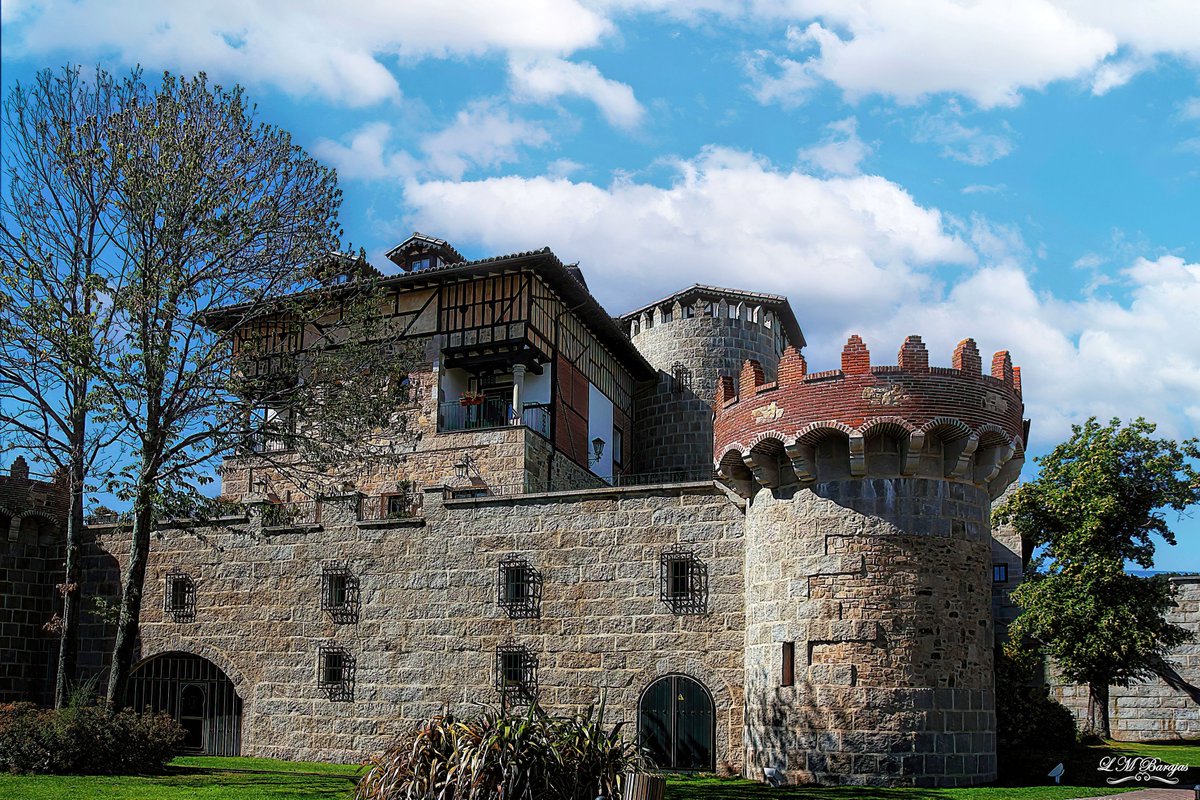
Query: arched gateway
x=676, y=723
x=195, y=692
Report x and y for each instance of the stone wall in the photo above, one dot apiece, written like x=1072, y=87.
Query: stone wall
x=673, y=420
x=1156, y=710
x=30, y=566
x=428, y=626
x=32, y=521
x=880, y=585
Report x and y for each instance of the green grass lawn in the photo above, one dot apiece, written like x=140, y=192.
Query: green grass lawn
x=197, y=778
x=210, y=778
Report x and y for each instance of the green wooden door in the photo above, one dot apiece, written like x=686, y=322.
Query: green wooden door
x=676, y=724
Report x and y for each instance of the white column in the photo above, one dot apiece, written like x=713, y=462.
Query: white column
x=518, y=389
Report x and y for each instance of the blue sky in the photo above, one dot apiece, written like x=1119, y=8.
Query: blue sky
x=1025, y=172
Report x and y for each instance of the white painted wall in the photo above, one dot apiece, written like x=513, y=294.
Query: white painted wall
x=600, y=423
x=537, y=387
x=454, y=382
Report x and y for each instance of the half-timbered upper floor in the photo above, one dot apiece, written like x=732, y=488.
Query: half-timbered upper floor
x=510, y=342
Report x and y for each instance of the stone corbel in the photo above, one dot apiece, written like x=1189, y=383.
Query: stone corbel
x=858, y=455
x=962, y=469
x=804, y=461
x=912, y=460
x=997, y=457
x=765, y=469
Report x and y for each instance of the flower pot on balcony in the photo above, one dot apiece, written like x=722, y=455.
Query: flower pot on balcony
x=642, y=786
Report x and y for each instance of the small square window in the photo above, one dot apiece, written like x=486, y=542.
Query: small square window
x=519, y=588
x=681, y=378
x=683, y=581
x=180, y=597
x=339, y=594
x=516, y=674
x=999, y=573
x=336, y=673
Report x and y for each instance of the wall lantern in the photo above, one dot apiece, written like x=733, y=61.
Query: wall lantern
x=597, y=451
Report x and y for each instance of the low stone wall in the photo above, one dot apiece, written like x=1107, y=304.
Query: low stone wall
x=1155, y=711
x=429, y=622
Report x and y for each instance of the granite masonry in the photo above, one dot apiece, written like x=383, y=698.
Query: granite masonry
x=760, y=568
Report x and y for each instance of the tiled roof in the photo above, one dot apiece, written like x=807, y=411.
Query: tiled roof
x=546, y=264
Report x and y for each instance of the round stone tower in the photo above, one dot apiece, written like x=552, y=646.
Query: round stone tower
x=692, y=338
x=867, y=552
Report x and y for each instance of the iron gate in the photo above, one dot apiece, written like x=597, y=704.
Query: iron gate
x=676, y=724
x=197, y=694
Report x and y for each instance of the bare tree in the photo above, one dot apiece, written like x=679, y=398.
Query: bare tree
x=56, y=264
x=234, y=297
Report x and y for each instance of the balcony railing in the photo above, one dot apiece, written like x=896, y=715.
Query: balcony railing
x=290, y=515
x=492, y=413
x=260, y=442
x=406, y=505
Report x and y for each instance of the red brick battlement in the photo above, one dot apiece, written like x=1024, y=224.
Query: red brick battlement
x=971, y=420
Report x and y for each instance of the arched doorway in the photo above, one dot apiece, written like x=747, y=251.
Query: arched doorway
x=197, y=694
x=676, y=723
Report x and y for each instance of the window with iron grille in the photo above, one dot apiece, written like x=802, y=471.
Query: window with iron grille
x=180, y=596
x=516, y=673
x=339, y=593
x=335, y=673
x=681, y=378
x=519, y=588
x=683, y=581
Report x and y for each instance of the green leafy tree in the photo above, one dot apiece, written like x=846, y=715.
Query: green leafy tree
x=233, y=298
x=56, y=263
x=1096, y=505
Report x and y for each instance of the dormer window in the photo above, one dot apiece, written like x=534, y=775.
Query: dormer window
x=418, y=263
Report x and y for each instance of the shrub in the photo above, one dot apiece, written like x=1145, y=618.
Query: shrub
x=85, y=740
x=497, y=754
x=1033, y=730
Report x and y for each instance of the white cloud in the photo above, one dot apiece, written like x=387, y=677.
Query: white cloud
x=1190, y=108
x=481, y=135
x=960, y=142
x=365, y=156
x=776, y=79
x=841, y=151
x=548, y=78
x=1114, y=74
x=563, y=168
x=840, y=246
x=340, y=51
x=1078, y=358
x=984, y=188
x=989, y=51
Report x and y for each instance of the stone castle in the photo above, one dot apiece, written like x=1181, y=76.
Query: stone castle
x=757, y=565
